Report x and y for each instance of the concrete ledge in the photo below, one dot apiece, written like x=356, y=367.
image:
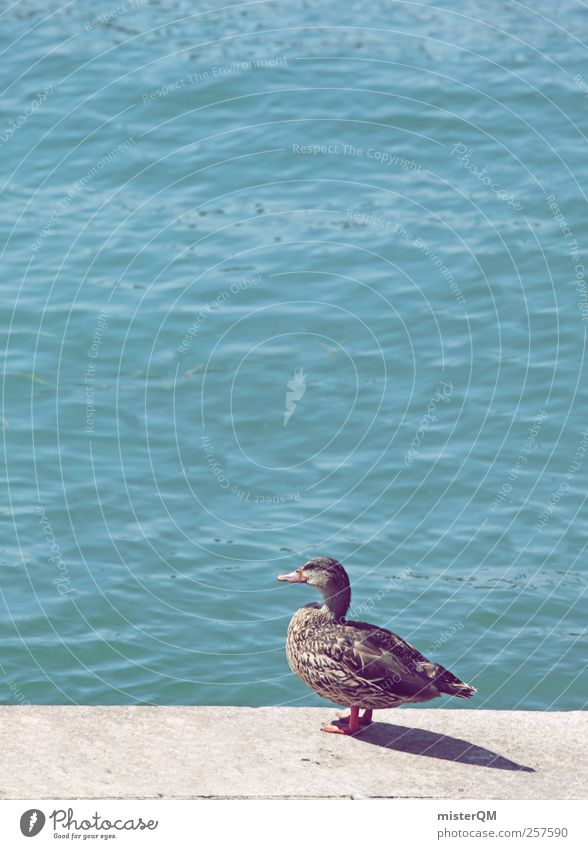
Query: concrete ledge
x=220, y=752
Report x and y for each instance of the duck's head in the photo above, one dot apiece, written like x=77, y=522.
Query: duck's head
x=329, y=577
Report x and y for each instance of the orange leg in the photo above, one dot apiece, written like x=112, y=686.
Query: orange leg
x=352, y=727
x=363, y=720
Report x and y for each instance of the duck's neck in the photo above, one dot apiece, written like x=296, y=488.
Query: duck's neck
x=336, y=602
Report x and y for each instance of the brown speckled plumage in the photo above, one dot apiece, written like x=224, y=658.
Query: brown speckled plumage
x=355, y=663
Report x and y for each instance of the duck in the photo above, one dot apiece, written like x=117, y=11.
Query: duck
x=355, y=664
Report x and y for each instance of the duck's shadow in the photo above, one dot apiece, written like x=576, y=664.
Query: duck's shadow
x=418, y=741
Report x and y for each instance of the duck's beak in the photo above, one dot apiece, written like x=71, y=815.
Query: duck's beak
x=297, y=577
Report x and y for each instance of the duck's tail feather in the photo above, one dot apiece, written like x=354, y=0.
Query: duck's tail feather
x=446, y=682
x=458, y=689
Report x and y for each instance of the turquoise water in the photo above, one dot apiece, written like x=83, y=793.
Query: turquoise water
x=283, y=279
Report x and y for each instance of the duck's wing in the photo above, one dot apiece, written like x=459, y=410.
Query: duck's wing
x=384, y=659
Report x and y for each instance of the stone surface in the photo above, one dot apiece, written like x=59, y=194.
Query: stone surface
x=210, y=752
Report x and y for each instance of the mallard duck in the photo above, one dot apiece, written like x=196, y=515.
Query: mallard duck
x=356, y=664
